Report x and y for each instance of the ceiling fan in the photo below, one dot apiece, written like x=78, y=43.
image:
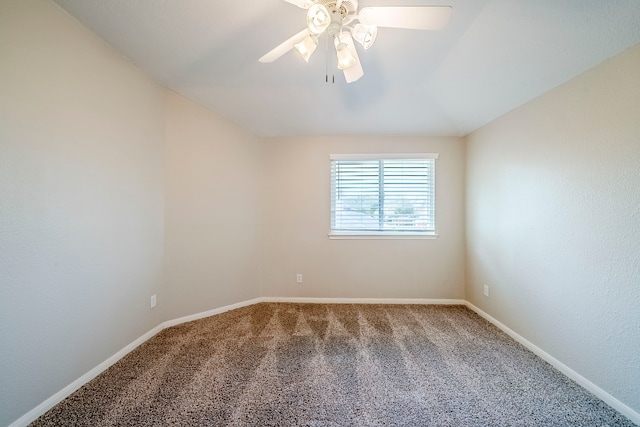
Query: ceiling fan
x=336, y=17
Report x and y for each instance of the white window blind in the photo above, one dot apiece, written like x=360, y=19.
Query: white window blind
x=383, y=194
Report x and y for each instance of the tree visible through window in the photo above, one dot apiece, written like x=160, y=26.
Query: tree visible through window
x=383, y=194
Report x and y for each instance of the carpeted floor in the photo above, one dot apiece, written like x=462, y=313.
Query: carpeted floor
x=333, y=365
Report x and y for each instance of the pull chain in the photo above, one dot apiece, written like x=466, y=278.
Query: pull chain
x=326, y=66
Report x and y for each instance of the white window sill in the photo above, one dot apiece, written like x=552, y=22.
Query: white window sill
x=381, y=236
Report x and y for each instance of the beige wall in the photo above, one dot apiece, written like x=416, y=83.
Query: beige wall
x=296, y=221
x=553, y=223
x=101, y=171
x=212, y=247
x=81, y=202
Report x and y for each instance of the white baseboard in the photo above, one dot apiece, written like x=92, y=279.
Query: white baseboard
x=33, y=414
x=39, y=410
x=209, y=313
x=52, y=401
x=588, y=385
x=421, y=301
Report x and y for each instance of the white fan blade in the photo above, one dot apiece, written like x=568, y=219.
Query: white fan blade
x=304, y=4
x=417, y=18
x=285, y=47
x=354, y=72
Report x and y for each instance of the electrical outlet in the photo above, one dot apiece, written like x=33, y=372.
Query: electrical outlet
x=153, y=301
x=486, y=291
x=298, y=278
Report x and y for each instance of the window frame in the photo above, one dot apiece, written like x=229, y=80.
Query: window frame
x=389, y=234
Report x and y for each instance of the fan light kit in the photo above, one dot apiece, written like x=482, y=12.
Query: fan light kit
x=332, y=17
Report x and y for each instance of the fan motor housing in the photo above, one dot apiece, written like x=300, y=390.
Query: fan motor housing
x=346, y=13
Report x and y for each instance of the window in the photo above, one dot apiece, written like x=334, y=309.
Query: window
x=383, y=195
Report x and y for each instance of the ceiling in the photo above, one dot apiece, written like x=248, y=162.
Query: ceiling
x=492, y=57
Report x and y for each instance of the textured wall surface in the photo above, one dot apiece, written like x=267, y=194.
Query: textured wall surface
x=212, y=246
x=296, y=224
x=81, y=203
x=553, y=198
x=553, y=223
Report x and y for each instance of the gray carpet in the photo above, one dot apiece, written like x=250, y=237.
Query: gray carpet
x=333, y=365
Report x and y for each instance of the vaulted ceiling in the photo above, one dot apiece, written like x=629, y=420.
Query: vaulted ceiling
x=492, y=57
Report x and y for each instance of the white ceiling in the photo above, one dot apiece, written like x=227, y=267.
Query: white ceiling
x=492, y=57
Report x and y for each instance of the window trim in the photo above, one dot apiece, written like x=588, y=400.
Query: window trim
x=391, y=156
x=384, y=235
